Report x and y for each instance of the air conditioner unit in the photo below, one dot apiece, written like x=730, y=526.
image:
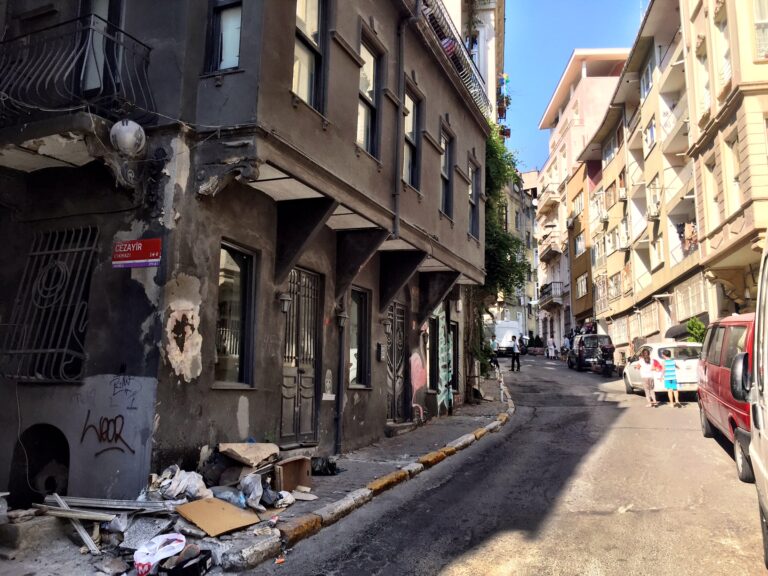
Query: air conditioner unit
x=569, y=223
x=623, y=194
x=624, y=245
x=604, y=218
x=653, y=212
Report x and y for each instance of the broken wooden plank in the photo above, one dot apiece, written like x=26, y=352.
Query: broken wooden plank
x=75, y=513
x=149, y=505
x=79, y=528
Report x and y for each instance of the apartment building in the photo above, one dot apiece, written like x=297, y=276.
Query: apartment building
x=272, y=235
x=572, y=115
x=726, y=65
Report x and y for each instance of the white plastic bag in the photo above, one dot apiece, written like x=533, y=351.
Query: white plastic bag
x=189, y=484
x=286, y=499
x=149, y=554
x=250, y=485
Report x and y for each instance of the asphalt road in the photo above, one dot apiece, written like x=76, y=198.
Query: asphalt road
x=584, y=480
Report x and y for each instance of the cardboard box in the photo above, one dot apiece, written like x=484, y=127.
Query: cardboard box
x=293, y=472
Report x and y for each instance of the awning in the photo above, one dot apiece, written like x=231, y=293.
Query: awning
x=679, y=330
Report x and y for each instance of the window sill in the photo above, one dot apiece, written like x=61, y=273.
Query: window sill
x=360, y=387
x=471, y=236
x=363, y=152
x=444, y=216
x=221, y=73
x=416, y=191
x=297, y=101
x=233, y=386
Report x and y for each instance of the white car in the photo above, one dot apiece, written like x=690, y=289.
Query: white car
x=686, y=356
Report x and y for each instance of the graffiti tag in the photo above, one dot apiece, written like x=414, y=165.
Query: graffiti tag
x=124, y=391
x=108, y=431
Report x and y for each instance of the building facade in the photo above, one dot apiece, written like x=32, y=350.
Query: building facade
x=275, y=260
x=572, y=115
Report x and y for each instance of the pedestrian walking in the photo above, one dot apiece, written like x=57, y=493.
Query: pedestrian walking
x=494, y=352
x=551, y=348
x=515, y=354
x=649, y=370
x=670, y=379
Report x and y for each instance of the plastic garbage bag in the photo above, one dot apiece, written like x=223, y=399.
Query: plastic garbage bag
x=251, y=487
x=183, y=483
x=268, y=496
x=286, y=499
x=229, y=494
x=118, y=524
x=158, y=548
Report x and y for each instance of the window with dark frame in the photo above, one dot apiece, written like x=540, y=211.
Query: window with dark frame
x=411, y=153
x=359, y=340
x=368, y=100
x=234, y=331
x=308, y=52
x=474, y=195
x=224, y=35
x=446, y=180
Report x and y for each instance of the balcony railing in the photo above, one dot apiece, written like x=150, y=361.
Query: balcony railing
x=440, y=22
x=551, y=293
x=550, y=248
x=82, y=64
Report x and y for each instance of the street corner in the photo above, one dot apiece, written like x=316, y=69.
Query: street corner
x=386, y=482
x=432, y=458
x=479, y=433
x=296, y=529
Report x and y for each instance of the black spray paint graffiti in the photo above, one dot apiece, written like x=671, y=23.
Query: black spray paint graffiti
x=108, y=431
x=124, y=392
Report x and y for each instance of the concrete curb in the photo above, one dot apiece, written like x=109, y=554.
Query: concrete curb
x=462, y=441
x=265, y=547
x=386, y=482
x=297, y=529
x=429, y=460
x=479, y=433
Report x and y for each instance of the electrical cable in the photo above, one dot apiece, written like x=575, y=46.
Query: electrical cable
x=24, y=449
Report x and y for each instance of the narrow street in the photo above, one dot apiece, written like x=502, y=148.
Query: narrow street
x=584, y=480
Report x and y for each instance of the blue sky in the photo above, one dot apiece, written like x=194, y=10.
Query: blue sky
x=540, y=37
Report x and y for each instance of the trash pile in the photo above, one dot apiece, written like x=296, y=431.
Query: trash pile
x=175, y=524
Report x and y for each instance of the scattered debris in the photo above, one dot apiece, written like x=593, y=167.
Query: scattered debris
x=188, y=529
x=251, y=454
x=216, y=516
x=75, y=513
x=143, y=529
x=111, y=565
x=174, y=482
x=303, y=496
x=151, y=553
x=19, y=516
x=322, y=466
x=280, y=560
x=89, y=543
x=146, y=505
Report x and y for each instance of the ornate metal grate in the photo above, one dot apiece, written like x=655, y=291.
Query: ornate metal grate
x=45, y=339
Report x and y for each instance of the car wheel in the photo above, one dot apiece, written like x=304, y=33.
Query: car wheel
x=706, y=426
x=743, y=465
x=628, y=385
x=570, y=364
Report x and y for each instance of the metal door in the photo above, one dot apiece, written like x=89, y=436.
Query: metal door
x=300, y=355
x=396, y=353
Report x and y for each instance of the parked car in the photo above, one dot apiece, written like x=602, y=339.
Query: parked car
x=592, y=351
x=725, y=339
x=685, y=354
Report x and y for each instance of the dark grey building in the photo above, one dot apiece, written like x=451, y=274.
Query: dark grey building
x=280, y=260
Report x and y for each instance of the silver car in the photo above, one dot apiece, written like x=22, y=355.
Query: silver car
x=686, y=356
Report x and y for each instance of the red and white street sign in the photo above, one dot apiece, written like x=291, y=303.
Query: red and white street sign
x=137, y=253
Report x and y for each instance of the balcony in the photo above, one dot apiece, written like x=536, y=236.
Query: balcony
x=675, y=129
x=59, y=84
x=549, y=248
x=551, y=295
x=439, y=21
x=549, y=198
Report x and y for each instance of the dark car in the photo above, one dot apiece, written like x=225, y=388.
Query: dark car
x=592, y=351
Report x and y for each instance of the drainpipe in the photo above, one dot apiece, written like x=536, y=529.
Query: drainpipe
x=341, y=318
x=400, y=115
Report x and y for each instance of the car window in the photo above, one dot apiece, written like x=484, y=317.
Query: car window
x=682, y=352
x=707, y=341
x=736, y=339
x=716, y=347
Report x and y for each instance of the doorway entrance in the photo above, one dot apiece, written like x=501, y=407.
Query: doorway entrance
x=396, y=353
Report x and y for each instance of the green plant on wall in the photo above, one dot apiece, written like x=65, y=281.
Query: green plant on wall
x=696, y=330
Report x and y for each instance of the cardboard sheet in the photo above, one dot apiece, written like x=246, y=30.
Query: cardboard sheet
x=250, y=454
x=215, y=516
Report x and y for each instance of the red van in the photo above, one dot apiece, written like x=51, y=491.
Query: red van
x=718, y=408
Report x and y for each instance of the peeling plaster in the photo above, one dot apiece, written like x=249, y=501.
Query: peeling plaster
x=183, y=341
x=243, y=422
x=177, y=171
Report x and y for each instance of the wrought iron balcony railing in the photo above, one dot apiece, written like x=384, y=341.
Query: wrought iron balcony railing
x=550, y=291
x=440, y=22
x=82, y=64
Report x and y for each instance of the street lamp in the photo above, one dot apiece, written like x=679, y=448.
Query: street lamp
x=387, y=326
x=285, y=302
x=341, y=318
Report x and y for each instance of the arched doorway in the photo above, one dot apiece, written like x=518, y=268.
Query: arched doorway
x=40, y=465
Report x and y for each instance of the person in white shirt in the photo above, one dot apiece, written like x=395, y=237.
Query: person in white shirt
x=551, y=347
x=515, y=354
